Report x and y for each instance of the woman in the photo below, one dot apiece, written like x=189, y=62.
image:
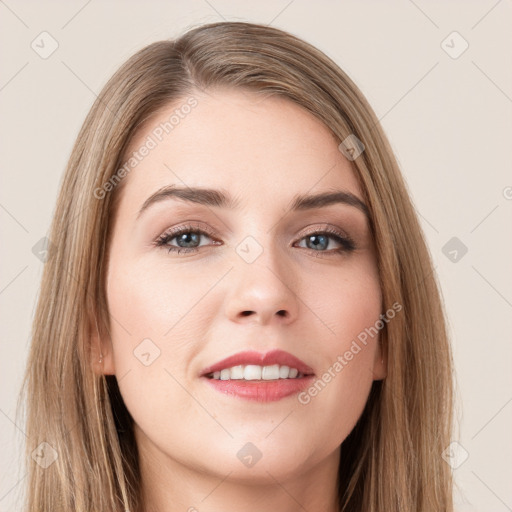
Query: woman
x=238, y=310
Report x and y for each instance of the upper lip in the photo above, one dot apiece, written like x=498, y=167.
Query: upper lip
x=279, y=357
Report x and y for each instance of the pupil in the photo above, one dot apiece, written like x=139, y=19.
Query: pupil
x=186, y=238
x=316, y=239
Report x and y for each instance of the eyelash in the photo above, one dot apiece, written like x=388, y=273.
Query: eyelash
x=347, y=243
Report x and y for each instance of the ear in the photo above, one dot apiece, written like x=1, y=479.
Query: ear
x=380, y=363
x=102, y=357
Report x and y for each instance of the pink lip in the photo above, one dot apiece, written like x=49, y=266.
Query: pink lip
x=279, y=357
x=261, y=390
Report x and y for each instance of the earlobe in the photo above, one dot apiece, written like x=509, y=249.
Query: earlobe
x=380, y=365
x=102, y=363
x=101, y=354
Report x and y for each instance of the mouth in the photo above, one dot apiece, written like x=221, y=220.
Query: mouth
x=261, y=377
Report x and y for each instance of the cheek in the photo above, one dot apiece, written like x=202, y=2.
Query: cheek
x=158, y=323
x=345, y=303
x=142, y=300
x=147, y=301
x=151, y=331
x=347, y=315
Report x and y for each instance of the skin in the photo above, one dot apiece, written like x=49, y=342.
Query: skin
x=191, y=305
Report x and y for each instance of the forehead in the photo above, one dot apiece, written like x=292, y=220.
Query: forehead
x=255, y=147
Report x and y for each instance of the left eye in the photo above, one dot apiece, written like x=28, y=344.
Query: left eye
x=188, y=240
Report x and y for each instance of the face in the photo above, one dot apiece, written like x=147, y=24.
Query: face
x=190, y=284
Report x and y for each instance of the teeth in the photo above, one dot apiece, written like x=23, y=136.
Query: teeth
x=252, y=372
x=237, y=372
x=270, y=372
x=284, y=372
x=256, y=372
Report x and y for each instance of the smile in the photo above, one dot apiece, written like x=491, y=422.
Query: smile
x=263, y=377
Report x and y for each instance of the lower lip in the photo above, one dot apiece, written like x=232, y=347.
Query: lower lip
x=261, y=390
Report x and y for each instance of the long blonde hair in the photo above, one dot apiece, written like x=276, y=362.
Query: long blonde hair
x=392, y=460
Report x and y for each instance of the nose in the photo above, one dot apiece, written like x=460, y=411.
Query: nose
x=264, y=291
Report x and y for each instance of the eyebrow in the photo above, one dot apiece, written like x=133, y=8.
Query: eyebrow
x=220, y=199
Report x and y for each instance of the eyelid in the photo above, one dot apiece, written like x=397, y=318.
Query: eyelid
x=325, y=228
x=192, y=226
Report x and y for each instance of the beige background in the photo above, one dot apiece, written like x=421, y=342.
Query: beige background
x=448, y=120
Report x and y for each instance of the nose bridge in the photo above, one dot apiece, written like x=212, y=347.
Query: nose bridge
x=264, y=285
